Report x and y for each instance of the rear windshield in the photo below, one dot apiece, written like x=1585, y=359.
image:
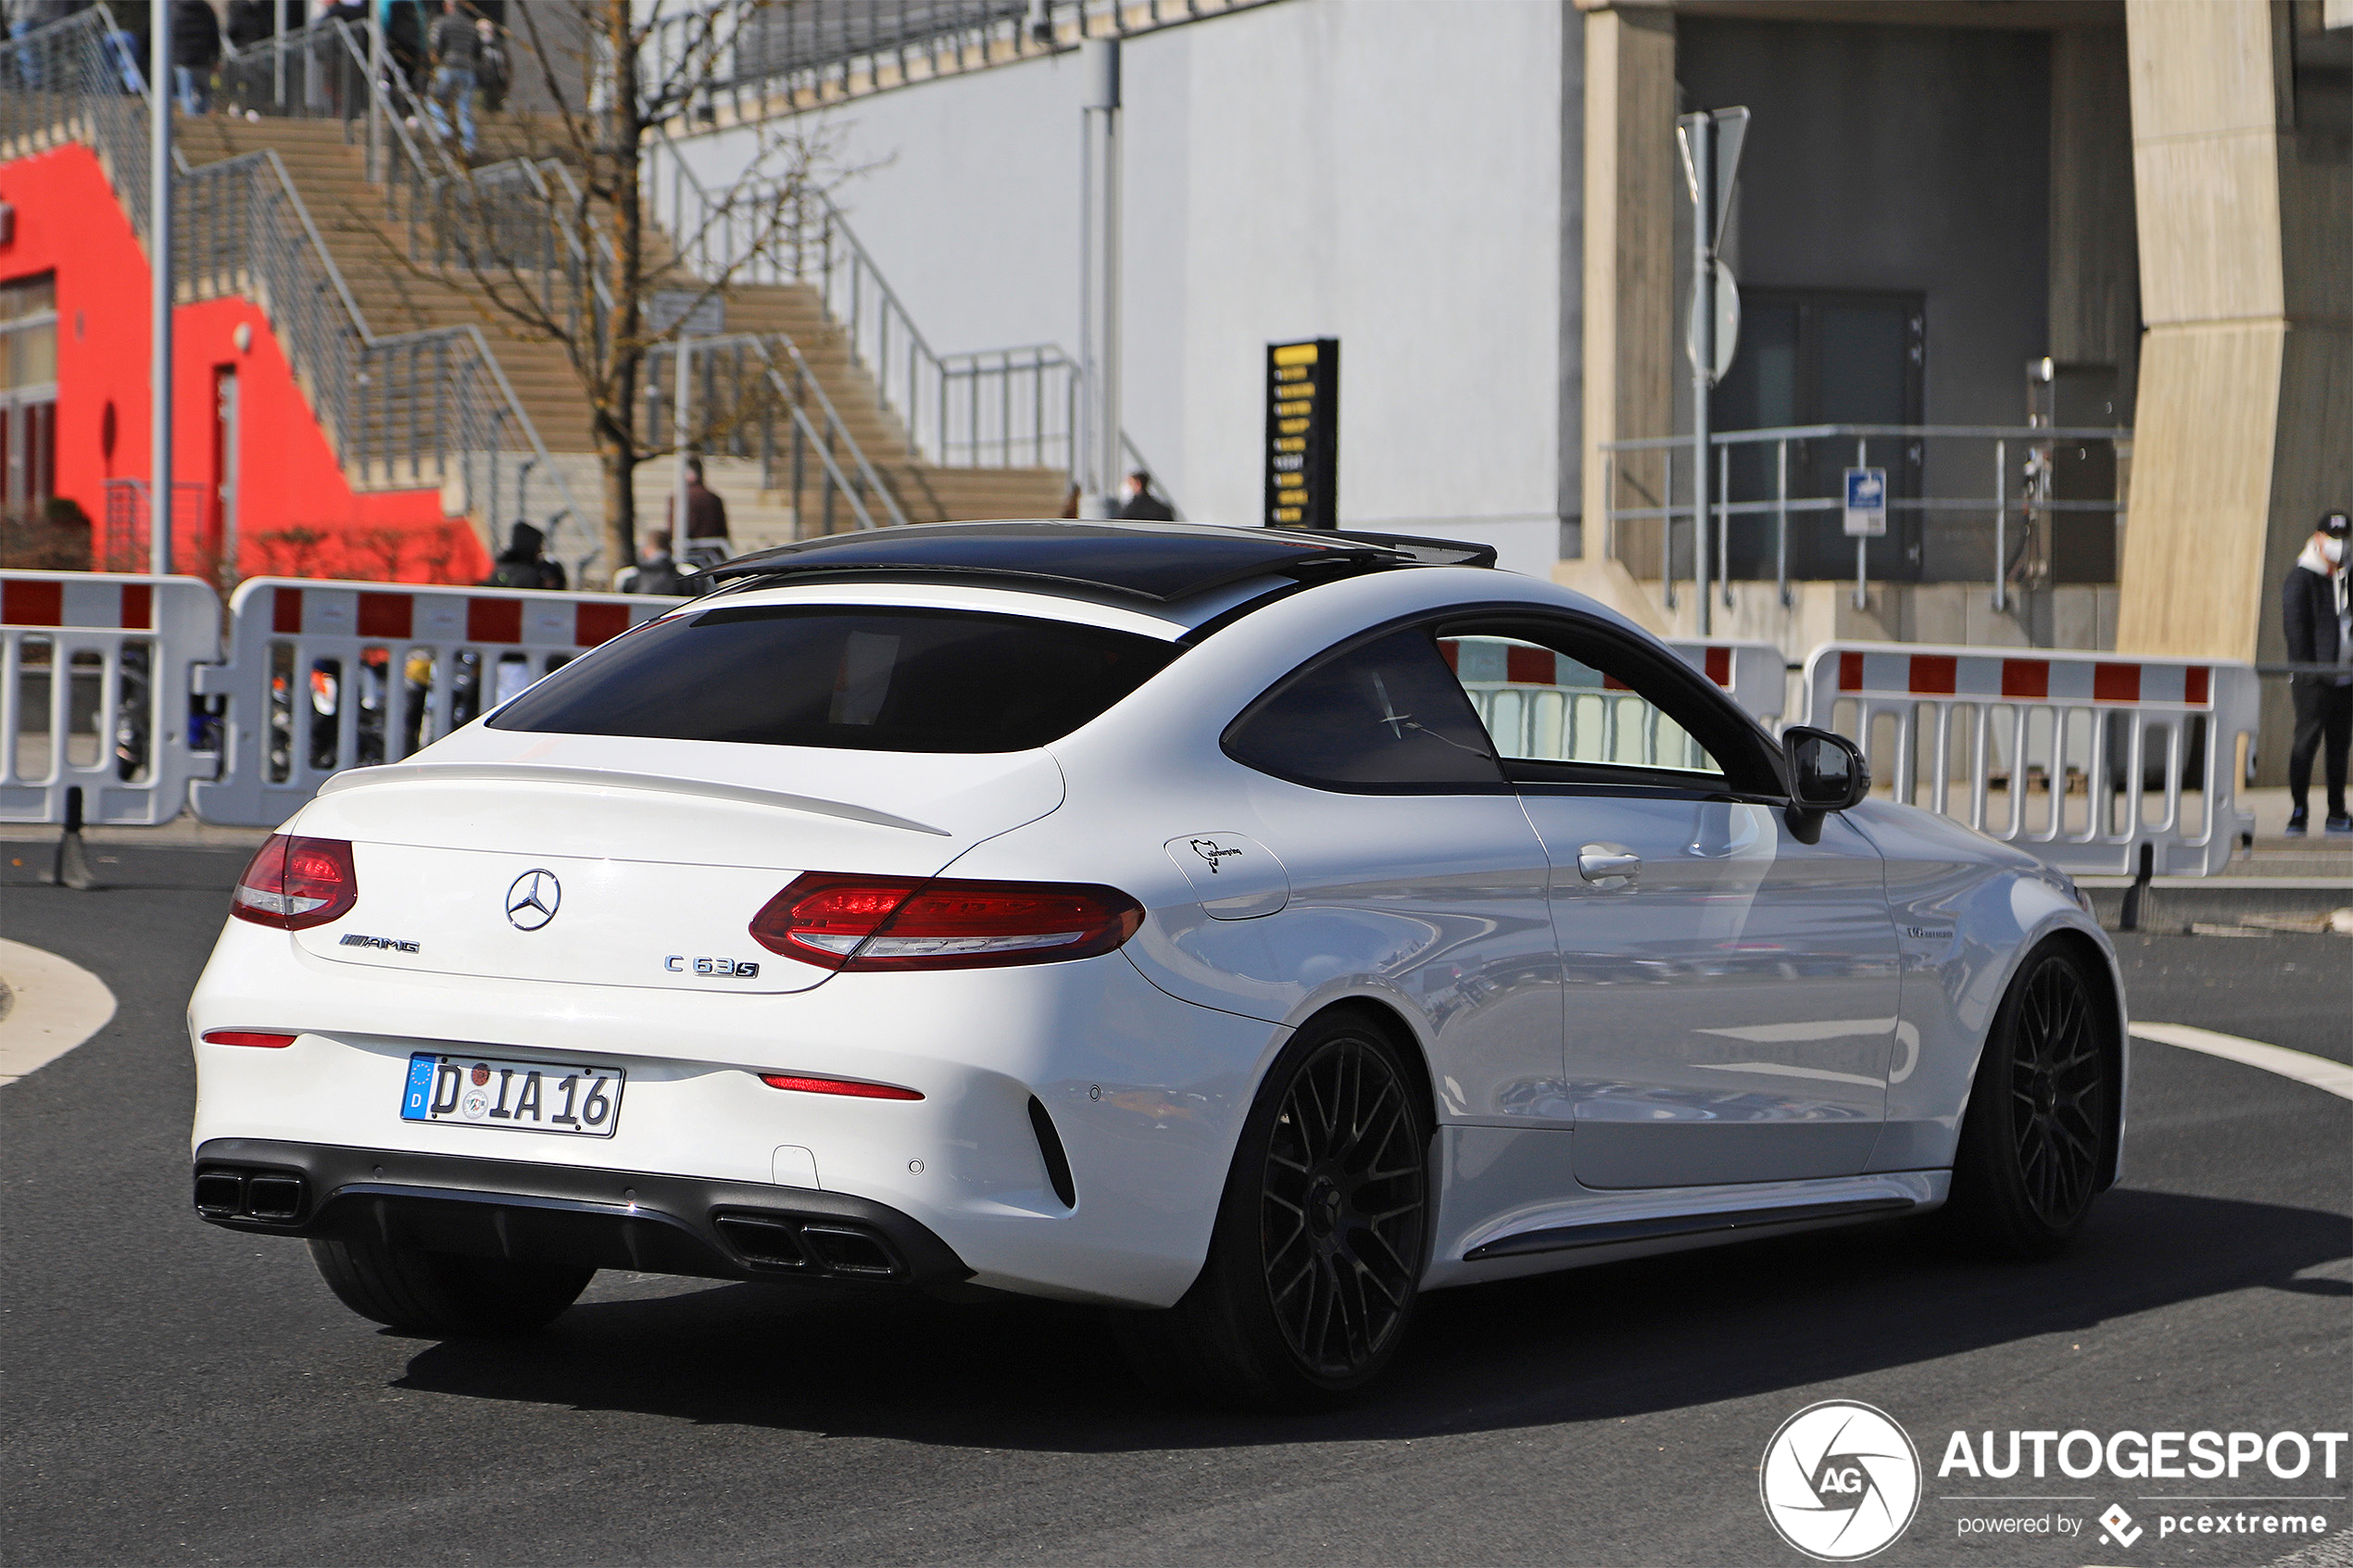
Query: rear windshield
x=864, y=680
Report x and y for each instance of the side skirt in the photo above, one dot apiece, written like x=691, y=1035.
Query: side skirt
x=1604, y=1233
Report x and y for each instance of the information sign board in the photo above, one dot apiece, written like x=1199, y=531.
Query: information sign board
x=1303, y=434
x=1865, y=503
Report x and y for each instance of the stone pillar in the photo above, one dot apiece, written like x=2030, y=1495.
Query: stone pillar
x=2243, y=429
x=1630, y=276
x=2094, y=285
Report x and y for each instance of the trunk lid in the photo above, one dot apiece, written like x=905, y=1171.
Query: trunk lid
x=605, y=862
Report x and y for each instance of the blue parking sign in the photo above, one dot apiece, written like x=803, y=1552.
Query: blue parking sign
x=1865, y=503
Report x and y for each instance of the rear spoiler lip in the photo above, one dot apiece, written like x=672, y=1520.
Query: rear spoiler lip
x=601, y=777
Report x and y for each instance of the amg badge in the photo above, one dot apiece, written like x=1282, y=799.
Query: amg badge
x=390, y=944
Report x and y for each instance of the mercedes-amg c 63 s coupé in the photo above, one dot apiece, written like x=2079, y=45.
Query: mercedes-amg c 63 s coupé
x=1244, y=929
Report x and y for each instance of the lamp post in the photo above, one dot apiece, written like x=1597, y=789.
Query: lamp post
x=1099, y=282
x=160, y=301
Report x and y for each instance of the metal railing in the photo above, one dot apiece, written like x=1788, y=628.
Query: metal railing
x=2019, y=510
x=737, y=62
x=1000, y=408
x=996, y=407
x=754, y=396
x=519, y=220
x=401, y=410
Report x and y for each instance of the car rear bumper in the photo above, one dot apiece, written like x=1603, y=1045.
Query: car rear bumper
x=1145, y=1095
x=569, y=1214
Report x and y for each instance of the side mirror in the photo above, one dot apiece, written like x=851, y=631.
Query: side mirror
x=1827, y=771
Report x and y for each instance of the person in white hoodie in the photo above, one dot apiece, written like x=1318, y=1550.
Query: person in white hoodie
x=2317, y=619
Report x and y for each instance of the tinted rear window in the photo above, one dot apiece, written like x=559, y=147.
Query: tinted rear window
x=864, y=680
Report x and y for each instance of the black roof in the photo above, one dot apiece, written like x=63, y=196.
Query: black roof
x=1162, y=562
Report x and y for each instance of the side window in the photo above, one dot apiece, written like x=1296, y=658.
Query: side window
x=1543, y=705
x=1384, y=717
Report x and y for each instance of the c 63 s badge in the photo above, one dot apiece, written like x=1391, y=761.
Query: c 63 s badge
x=725, y=969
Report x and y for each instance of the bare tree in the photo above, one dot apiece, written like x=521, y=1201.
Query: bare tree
x=560, y=247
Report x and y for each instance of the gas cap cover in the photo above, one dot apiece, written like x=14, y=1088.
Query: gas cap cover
x=1233, y=875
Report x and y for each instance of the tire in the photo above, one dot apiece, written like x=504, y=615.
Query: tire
x=445, y=1295
x=2038, y=1138
x=1316, y=1257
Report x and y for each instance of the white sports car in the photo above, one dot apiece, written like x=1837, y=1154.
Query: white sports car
x=1247, y=928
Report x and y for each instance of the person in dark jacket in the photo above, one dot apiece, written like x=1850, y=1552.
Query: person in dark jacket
x=2316, y=619
x=457, y=59
x=707, y=541
x=1138, y=503
x=656, y=572
x=521, y=564
x=196, y=52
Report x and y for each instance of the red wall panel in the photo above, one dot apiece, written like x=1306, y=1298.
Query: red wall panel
x=69, y=222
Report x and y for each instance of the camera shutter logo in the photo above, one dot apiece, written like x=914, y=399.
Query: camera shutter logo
x=1841, y=1481
x=532, y=900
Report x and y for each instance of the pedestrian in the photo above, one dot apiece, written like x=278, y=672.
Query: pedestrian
x=457, y=58
x=248, y=23
x=521, y=565
x=2315, y=616
x=656, y=572
x=196, y=51
x=1140, y=505
x=26, y=16
x=707, y=542
x=494, y=74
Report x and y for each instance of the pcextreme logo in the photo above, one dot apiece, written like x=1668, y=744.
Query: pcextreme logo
x=1841, y=1481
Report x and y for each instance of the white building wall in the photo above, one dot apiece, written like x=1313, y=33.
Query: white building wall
x=1388, y=174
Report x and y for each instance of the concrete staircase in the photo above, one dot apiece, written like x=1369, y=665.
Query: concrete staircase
x=368, y=245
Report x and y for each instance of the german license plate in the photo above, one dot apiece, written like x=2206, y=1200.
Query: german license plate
x=529, y=1097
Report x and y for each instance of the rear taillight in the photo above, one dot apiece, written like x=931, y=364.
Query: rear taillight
x=851, y=1087
x=268, y=1041
x=297, y=883
x=879, y=922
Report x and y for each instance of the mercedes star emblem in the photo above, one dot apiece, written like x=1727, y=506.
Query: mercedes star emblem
x=532, y=900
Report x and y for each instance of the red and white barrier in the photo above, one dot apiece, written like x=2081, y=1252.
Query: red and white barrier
x=322, y=677
x=2080, y=757
x=95, y=672
x=1755, y=675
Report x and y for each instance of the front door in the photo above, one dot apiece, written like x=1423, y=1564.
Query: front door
x=1731, y=990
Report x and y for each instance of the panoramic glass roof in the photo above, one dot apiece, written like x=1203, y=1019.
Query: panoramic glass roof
x=1156, y=561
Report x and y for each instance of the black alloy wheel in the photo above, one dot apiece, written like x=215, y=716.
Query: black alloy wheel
x=2037, y=1139
x=2058, y=1108
x=1315, y=1259
x=1343, y=1203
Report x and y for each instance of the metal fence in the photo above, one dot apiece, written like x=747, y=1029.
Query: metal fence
x=723, y=59
x=2004, y=495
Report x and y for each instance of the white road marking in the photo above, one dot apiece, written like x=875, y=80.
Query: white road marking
x=56, y=1007
x=2305, y=1068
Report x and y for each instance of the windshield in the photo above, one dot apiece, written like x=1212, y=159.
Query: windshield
x=856, y=678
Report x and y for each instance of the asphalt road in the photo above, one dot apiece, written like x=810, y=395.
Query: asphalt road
x=174, y=1393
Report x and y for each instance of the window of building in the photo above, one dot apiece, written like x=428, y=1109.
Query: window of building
x=28, y=393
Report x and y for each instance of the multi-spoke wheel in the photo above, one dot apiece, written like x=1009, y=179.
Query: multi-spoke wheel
x=2035, y=1143
x=1317, y=1254
x=1342, y=1201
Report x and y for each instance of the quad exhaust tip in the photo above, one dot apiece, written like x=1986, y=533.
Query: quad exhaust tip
x=274, y=1198
x=790, y=1244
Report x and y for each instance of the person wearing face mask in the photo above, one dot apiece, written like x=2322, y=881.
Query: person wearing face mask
x=2318, y=621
